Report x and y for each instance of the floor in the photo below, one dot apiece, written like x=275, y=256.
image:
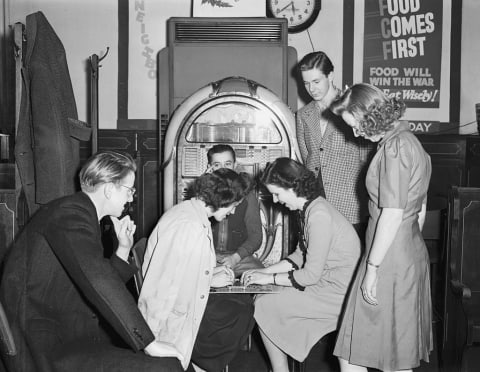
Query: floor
x=319, y=360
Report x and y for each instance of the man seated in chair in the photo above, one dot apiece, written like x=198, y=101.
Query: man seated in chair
x=69, y=307
x=238, y=236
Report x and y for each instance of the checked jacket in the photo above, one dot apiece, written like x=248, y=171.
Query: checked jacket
x=338, y=159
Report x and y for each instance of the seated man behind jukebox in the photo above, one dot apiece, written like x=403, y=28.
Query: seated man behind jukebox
x=239, y=235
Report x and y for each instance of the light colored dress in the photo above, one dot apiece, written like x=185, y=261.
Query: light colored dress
x=396, y=333
x=295, y=320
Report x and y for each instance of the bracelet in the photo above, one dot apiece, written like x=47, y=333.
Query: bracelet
x=372, y=264
x=275, y=278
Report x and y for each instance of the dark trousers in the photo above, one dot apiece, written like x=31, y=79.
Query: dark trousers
x=81, y=357
x=225, y=326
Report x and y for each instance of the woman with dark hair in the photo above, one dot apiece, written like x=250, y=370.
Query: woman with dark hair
x=315, y=278
x=387, y=322
x=179, y=269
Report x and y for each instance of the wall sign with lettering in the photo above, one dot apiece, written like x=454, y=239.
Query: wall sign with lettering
x=403, y=49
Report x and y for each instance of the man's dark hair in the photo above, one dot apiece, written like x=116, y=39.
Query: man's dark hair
x=316, y=60
x=218, y=149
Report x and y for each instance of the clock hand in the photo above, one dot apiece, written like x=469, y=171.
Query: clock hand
x=286, y=6
x=293, y=8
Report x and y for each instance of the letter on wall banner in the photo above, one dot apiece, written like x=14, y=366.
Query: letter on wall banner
x=146, y=36
x=403, y=49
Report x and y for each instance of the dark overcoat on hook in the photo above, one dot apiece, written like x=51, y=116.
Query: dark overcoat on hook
x=48, y=134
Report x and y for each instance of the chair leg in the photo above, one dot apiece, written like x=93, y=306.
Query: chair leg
x=296, y=366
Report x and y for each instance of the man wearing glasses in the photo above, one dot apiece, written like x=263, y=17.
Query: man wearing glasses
x=68, y=306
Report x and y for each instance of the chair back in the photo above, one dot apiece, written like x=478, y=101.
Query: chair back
x=138, y=253
x=432, y=228
x=462, y=287
x=8, y=344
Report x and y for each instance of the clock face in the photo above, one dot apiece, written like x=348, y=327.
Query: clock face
x=300, y=14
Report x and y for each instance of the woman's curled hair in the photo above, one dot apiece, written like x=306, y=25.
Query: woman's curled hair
x=371, y=107
x=222, y=187
x=290, y=174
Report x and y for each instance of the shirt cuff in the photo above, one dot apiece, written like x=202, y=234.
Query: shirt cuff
x=294, y=265
x=294, y=282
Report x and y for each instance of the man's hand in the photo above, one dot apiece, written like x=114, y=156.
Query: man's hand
x=124, y=229
x=229, y=260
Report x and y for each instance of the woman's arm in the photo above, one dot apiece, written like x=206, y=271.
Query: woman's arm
x=319, y=231
x=274, y=274
x=387, y=227
x=421, y=215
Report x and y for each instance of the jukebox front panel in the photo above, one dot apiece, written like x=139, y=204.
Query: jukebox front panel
x=254, y=122
x=193, y=162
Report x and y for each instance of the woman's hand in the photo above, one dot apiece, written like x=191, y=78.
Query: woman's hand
x=124, y=229
x=256, y=277
x=369, y=285
x=222, y=276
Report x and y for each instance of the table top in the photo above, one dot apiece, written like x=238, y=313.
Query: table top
x=237, y=287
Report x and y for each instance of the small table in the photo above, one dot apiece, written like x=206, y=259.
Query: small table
x=237, y=287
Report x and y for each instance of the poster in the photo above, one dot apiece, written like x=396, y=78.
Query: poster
x=402, y=51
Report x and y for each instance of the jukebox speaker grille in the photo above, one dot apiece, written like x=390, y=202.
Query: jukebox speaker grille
x=194, y=162
x=234, y=31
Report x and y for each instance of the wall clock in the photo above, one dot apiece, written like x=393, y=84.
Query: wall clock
x=299, y=13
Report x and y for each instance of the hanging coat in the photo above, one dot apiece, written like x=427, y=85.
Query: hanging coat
x=48, y=133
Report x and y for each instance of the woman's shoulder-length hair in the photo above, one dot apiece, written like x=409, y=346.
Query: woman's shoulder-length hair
x=290, y=174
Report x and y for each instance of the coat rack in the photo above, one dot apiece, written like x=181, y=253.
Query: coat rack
x=94, y=70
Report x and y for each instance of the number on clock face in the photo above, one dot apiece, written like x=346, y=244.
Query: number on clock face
x=296, y=12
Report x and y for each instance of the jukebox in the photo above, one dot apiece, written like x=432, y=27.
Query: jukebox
x=255, y=122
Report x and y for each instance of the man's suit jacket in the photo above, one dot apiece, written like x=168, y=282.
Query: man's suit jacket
x=340, y=159
x=57, y=288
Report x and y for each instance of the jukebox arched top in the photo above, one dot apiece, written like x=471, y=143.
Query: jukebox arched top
x=251, y=118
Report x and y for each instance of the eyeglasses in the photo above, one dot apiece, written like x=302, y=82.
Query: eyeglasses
x=131, y=190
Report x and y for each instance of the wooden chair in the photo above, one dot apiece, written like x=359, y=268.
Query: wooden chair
x=9, y=348
x=15, y=356
x=433, y=233
x=462, y=289
x=137, y=255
